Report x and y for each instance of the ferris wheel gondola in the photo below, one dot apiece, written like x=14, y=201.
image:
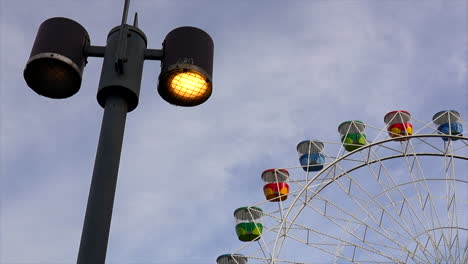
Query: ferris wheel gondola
x=395, y=194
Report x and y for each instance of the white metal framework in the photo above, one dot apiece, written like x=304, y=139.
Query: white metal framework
x=390, y=201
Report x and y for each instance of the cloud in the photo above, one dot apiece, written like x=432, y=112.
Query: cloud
x=283, y=73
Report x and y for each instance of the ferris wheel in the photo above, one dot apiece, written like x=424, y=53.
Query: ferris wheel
x=391, y=194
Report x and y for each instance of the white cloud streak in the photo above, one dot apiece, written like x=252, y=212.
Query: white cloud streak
x=283, y=73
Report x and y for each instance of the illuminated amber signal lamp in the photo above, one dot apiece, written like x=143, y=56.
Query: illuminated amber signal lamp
x=187, y=67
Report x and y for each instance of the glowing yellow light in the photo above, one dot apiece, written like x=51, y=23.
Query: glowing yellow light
x=188, y=85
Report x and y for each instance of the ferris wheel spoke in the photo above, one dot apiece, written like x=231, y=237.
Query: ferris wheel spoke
x=377, y=175
x=319, y=245
x=263, y=251
x=361, y=221
x=465, y=145
x=452, y=211
x=301, y=183
x=387, y=201
x=365, y=246
x=416, y=181
x=392, y=202
x=428, y=143
x=392, y=150
x=277, y=260
x=336, y=220
x=386, y=233
x=465, y=251
x=364, y=210
x=426, y=196
x=446, y=241
x=412, y=211
x=424, y=126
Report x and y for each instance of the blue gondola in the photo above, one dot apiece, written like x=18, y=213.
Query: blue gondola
x=309, y=155
x=448, y=122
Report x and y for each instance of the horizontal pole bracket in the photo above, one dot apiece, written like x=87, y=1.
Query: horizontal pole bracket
x=95, y=51
x=154, y=54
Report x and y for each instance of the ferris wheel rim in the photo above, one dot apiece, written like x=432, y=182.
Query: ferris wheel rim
x=344, y=157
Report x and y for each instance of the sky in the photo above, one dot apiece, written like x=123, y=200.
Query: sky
x=284, y=71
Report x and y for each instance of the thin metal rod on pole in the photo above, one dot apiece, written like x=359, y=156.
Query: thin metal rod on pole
x=125, y=12
x=135, y=20
x=121, y=56
x=95, y=234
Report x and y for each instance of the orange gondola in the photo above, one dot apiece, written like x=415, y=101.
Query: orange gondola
x=398, y=124
x=276, y=186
